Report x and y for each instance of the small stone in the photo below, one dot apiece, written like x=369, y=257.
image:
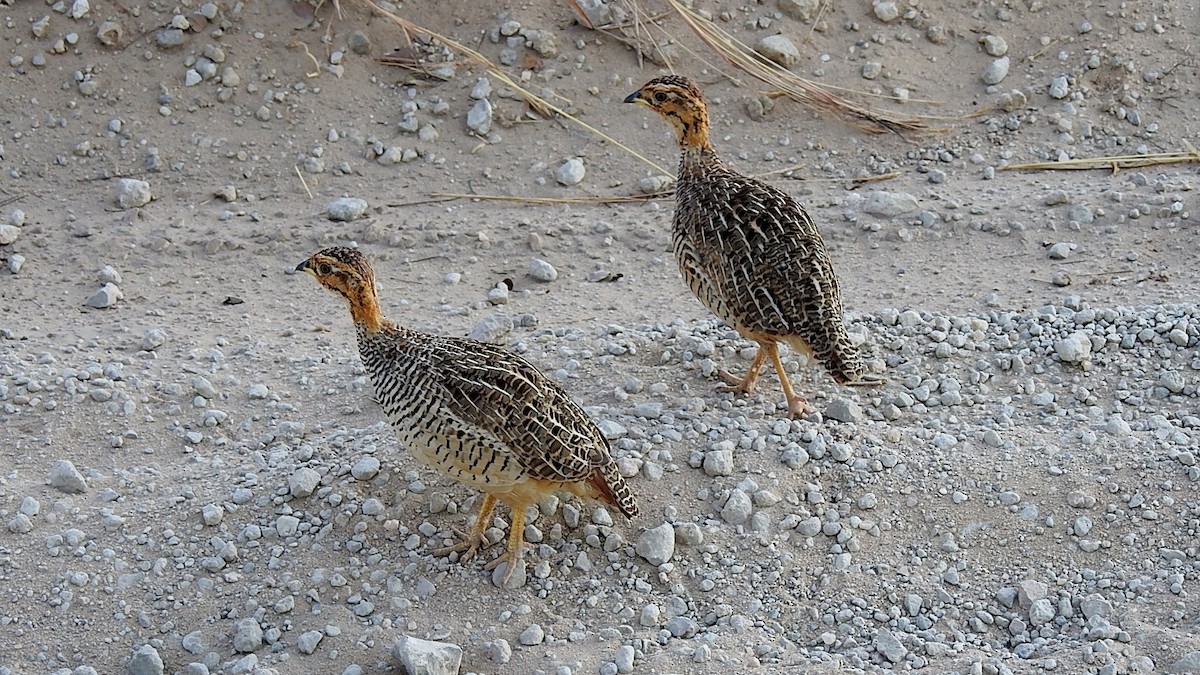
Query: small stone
x=8, y=234
x=15, y=262
x=657, y=545
x=492, y=327
x=132, y=193
x=346, y=209
x=800, y=10
x=1061, y=250
x=888, y=204
x=1041, y=611
x=570, y=172
x=844, y=410
x=871, y=70
x=192, y=78
x=738, y=507
x=359, y=43
x=303, y=482
x=212, y=514
x=886, y=10
x=64, y=477
x=681, y=626
x=1030, y=591
x=1058, y=87
x=624, y=659
x=891, y=648
x=308, y=641
x=779, y=49
x=482, y=89
x=258, y=392
x=542, y=271
x=247, y=636
x=996, y=71
x=365, y=468
x=80, y=8
x=146, y=661
x=498, y=650
x=1075, y=348
x=533, y=635
x=479, y=118
x=994, y=45
x=109, y=33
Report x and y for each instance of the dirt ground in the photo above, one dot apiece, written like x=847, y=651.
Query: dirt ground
x=1037, y=514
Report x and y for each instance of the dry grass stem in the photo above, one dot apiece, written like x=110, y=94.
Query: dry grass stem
x=1114, y=163
x=535, y=102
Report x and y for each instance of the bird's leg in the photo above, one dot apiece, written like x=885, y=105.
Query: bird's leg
x=514, y=555
x=474, y=539
x=797, y=406
x=743, y=385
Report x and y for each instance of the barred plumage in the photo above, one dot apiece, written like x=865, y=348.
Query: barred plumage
x=750, y=252
x=475, y=412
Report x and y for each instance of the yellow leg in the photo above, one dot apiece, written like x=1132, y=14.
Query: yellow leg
x=474, y=539
x=515, y=554
x=744, y=385
x=797, y=406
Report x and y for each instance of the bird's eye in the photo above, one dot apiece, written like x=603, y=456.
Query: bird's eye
x=324, y=269
x=660, y=97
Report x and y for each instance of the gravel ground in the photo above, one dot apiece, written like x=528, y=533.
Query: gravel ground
x=197, y=480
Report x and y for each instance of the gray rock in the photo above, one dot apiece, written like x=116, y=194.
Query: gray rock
x=601, y=12
x=8, y=234
x=193, y=642
x=365, y=468
x=611, y=430
x=779, y=49
x=1061, y=250
x=657, y=545
x=1041, y=611
x=146, y=661
x=738, y=507
x=570, y=172
x=718, y=462
x=542, y=271
x=994, y=45
x=479, y=118
x=108, y=275
x=1030, y=591
x=888, y=204
x=996, y=71
x=887, y=644
x=308, y=641
x=800, y=10
x=1190, y=663
x=64, y=477
x=168, y=38
x=1095, y=605
x=204, y=387
x=109, y=33
x=359, y=43
x=15, y=262
x=1058, y=87
x=106, y=297
x=303, y=482
x=1075, y=348
x=1081, y=214
x=533, y=635
x=624, y=659
x=682, y=627
x=886, y=10
x=482, y=89
x=346, y=209
x=491, y=327
x=132, y=193
x=498, y=650
x=844, y=410
x=247, y=636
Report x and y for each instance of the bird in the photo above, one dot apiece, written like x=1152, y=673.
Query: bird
x=750, y=252
x=475, y=412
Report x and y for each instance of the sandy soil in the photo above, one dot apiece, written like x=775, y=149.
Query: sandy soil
x=949, y=533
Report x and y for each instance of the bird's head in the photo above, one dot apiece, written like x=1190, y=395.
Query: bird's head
x=347, y=272
x=681, y=103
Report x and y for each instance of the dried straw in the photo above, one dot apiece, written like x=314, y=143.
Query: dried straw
x=537, y=103
x=788, y=84
x=1114, y=163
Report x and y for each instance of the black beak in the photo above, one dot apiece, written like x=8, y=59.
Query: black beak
x=634, y=97
x=302, y=267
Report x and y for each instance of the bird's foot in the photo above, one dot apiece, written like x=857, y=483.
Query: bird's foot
x=798, y=407
x=469, y=545
x=868, y=381
x=735, y=384
x=514, y=559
